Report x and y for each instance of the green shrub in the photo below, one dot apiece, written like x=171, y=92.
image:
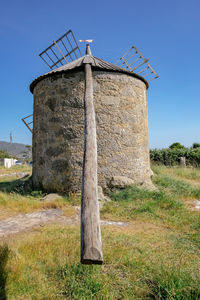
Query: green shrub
x=195, y=145
x=176, y=146
x=171, y=157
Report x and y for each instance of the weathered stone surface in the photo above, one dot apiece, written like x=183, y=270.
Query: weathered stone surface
x=122, y=130
x=148, y=185
x=121, y=182
x=26, y=222
x=101, y=196
x=51, y=197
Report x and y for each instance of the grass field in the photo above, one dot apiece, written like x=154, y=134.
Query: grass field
x=157, y=256
x=15, y=169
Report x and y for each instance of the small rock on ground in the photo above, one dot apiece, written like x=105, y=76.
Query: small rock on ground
x=120, y=182
x=194, y=205
x=51, y=197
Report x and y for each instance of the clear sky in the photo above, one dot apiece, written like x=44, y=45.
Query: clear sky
x=167, y=32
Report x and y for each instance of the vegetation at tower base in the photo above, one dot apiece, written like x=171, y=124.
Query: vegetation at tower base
x=155, y=257
x=171, y=157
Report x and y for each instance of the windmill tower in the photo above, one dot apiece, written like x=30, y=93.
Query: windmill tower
x=83, y=107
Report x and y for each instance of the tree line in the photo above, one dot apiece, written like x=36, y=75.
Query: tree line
x=171, y=156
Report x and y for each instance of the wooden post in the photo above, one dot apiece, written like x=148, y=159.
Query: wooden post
x=91, y=247
x=182, y=162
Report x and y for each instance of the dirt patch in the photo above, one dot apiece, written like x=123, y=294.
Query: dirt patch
x=26, y=222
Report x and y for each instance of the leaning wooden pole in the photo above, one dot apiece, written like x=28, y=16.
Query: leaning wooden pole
x=91, y=247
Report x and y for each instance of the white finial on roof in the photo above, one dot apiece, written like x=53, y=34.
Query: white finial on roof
x=88, y=51
x=86, y=41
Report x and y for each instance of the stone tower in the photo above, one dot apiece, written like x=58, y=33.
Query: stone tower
x=58, y=124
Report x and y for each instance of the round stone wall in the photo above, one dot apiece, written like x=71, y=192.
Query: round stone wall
x=58, y=134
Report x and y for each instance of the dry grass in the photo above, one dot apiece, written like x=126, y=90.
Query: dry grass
x=16, y=196
x=45, y=265
x=190, y=175
x=157, y=256
x=15, y=169
x=13, y=204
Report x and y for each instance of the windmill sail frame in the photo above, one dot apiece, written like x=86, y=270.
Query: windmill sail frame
x=133, y=61
x=28, y=121
x=62, y=51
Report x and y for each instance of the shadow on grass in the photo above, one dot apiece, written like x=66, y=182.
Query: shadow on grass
x=174, y=283
x=4, y=251
x=22, y=186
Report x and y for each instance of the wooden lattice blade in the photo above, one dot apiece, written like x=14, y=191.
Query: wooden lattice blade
x=134, y=61
x=61, y=51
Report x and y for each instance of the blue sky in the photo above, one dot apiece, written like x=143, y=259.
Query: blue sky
x=166, y=32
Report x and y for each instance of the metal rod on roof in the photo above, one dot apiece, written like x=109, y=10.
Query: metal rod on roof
x=152, y=70
x=147, y=62
x=56, y=56
x=76, y=42
x=124, y=63
x=140, y=65
x=143, y=70
x=127, y=65
x=131, y=56
x=60, y=52
x=68, y=32
x=62, y=58
x=27, y=124
x=70, y=42
x=152, y=79
x=45, y=61
x=71, y=46
x=140, y=54
x=66, y=50
x=51, y=60
x=28, y=116
x=125, y=54
x=135, y=61
x=56, y=42
x=148, y=74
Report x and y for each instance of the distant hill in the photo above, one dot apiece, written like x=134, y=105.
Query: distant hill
x=20, y=151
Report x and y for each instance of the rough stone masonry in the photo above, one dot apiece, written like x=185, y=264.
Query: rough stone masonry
x=122, y=130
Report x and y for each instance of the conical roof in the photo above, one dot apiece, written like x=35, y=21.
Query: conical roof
x=95, y=62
